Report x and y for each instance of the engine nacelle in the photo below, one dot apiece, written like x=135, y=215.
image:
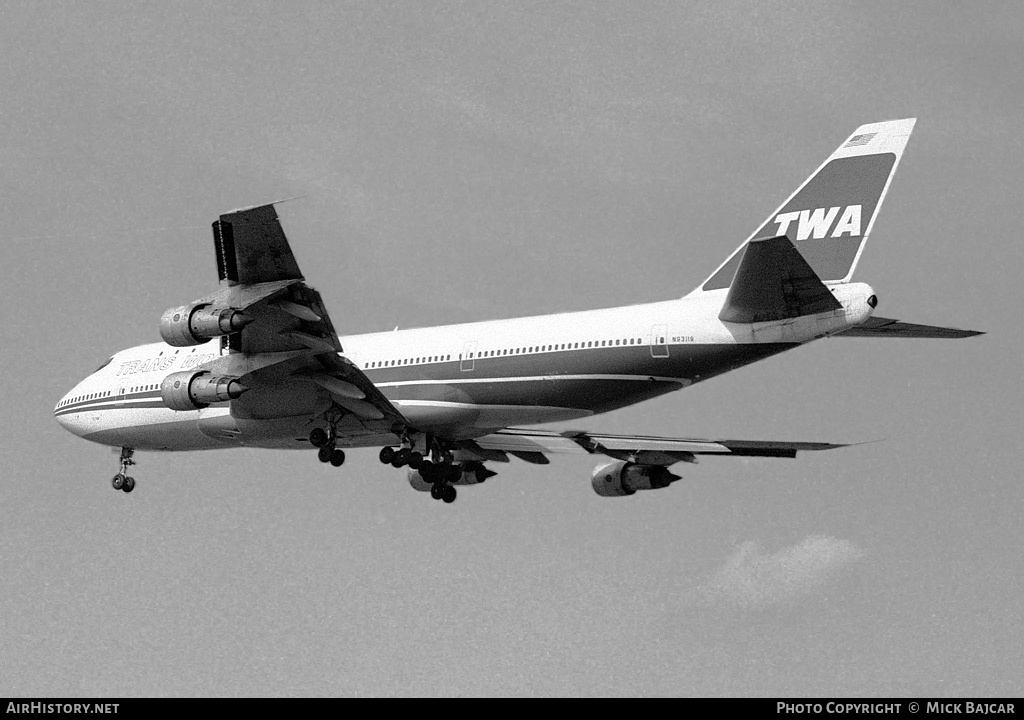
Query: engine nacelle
x=196, y=390
x=196, y=323
x=473, y=473
x=618, y=479
x=417, y=481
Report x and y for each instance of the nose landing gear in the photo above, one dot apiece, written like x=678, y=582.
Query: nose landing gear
x=122, y=481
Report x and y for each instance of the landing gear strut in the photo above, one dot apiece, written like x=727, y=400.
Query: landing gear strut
x=437, y=467
x=326, y=441
x=405, y=455
x=441, y=471
x=122, y=481
x=439, y=476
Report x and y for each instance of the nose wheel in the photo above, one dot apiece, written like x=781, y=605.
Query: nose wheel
x=123, y=481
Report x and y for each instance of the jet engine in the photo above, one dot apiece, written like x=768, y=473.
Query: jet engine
x=618, y=479
x=196, y=323
x=473, y=473
x=417, y=481
x=195, y=390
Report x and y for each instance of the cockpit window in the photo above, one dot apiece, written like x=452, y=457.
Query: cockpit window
x=107, y=362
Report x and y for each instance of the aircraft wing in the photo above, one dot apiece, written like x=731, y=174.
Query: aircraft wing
x=533, y=445
x=887, y=327
x=287, y=354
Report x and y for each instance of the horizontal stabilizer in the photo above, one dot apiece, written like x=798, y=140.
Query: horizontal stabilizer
x=887, y=327
x=774, y=282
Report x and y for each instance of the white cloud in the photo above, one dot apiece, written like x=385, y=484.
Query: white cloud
x=753, y=579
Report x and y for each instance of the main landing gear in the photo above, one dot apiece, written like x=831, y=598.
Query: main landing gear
x=439, y=469
x=440, y=476
x=326, y=441
x=122, y=481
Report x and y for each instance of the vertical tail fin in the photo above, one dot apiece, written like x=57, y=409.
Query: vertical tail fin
x=829, y=217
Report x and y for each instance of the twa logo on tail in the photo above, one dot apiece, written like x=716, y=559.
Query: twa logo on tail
x=817, y=223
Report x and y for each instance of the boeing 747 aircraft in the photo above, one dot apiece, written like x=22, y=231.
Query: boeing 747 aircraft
x=258, y=362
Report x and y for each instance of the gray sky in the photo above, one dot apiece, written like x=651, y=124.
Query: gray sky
x=469, y=161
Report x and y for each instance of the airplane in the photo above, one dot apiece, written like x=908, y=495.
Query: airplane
x=257, y=363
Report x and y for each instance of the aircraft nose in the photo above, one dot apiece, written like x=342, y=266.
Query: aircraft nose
x=66, y=415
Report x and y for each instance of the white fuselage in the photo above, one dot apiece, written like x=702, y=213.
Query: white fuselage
x=463, y=380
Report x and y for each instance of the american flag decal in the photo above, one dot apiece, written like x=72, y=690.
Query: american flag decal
x=858, y=140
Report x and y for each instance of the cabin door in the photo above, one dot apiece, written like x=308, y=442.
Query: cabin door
x=468, y=361
x=659, y=341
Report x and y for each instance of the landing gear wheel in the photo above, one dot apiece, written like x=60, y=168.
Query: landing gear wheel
x=448, y=494
x=415, y=460
x=453, y=473
x=437, y=491
x=428, y=471
x=121, y=480
x=387, y=454
x=338, y=458
x=325, y=454
x=318, y=437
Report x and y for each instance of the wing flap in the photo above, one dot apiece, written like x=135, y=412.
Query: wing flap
x=650, y=450
x=252, y=248
x=288, y=354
